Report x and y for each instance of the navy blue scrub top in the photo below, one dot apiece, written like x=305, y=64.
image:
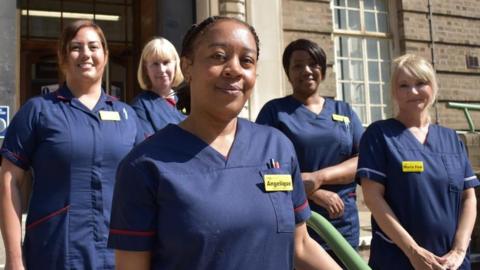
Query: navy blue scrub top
x=73, y=154
x=154, y=113
x=321, y=140
x=427, y=203
x=195, y=209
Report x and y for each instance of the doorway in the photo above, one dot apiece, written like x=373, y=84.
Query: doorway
x=41, y=24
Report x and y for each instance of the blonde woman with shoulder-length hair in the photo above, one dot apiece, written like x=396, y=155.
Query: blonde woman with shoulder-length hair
x=417, y=180
x=158, y=74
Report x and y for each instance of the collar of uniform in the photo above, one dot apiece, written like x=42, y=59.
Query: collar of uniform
x=65, y=94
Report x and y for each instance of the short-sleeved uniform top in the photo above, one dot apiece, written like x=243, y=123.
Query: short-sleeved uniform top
x=195, y=209
x=73, y=154
x=154, y=113
x=427, y=203
x=321, y=140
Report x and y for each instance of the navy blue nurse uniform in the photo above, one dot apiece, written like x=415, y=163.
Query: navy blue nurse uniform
x=195, y=209
x=154, y=113
x=73, y=153
x=321, y=140
x=426, y=202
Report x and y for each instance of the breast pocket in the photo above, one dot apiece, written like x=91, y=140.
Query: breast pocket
x=455, y=171
x=282, y=204
x=344, y=137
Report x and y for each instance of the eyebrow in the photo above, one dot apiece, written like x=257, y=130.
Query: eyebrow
x=223, y=45
x=90, y=42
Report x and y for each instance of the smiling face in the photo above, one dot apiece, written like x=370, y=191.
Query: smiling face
x=161, y=73
x=304, y=73
x=86, y=57
x=222, y=70
x=413, y=95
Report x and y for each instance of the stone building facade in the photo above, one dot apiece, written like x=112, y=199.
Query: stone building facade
x=444, y=31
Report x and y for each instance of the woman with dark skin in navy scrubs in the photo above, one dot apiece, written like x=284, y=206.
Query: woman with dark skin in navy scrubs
x=215, y=191
x=325, y=133
x=417, y=180
x=158, y=72
x=72, y=140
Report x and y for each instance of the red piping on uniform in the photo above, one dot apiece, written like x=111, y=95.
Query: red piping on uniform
x=111, y=98
x=17, y=156
x=132, y=233
x=301, y=207
x=171, y=101
x=57, y=95
x=58, y=212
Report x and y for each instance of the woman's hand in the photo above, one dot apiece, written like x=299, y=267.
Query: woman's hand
x=453, y=259
x=311, y=181
x=330, y=201
x=422, y=259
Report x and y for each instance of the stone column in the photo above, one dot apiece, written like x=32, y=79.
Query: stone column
x=232, y=8
x=9, y=91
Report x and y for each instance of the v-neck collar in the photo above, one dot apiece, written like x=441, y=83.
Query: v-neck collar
x=237, y=149
x=322, y=114
x=412, y=137
x=65, y=94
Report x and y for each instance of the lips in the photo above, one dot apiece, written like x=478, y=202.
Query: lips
x=229, y=88
x=85, y=65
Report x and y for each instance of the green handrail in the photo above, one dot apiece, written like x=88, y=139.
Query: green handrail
x=465, y=107
x=344, y=251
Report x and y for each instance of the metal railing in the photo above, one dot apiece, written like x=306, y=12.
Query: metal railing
x=344, y=251
x=466, y=107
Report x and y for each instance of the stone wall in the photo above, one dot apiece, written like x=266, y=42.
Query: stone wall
x=8, y=53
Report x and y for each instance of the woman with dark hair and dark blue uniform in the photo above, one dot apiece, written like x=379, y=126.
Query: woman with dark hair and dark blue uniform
x=215, y=191
x=158, y=73
x=417, y=180
x=72, y=140
x=325, y=134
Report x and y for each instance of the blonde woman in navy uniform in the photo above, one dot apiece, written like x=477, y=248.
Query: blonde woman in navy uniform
x=158, y=73
x=417, y=180
x=215, y=191
x=325, y=133
x=72, y=140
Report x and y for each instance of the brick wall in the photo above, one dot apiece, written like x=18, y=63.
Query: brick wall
x=472, y=142
x=455, y=118
x=311, y=20
x=456, y=33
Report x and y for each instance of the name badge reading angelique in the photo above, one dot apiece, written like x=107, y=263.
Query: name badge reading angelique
x=109, y=115
x=278, y=182
x=412, y=166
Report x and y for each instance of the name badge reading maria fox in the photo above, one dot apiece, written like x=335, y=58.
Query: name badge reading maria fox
x=412, y=166
x=340, y=118
x=278, y=182
x=109, y=115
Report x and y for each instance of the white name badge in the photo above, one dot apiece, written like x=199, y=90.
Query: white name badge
x=109, y=115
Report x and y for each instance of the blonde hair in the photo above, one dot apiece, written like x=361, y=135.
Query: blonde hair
x=416, y=66
x=158, y=48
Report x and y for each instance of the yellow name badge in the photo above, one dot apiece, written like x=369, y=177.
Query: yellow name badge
x=109, y=115
x=340, y=118
x=278, y=182
x=412, y=166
